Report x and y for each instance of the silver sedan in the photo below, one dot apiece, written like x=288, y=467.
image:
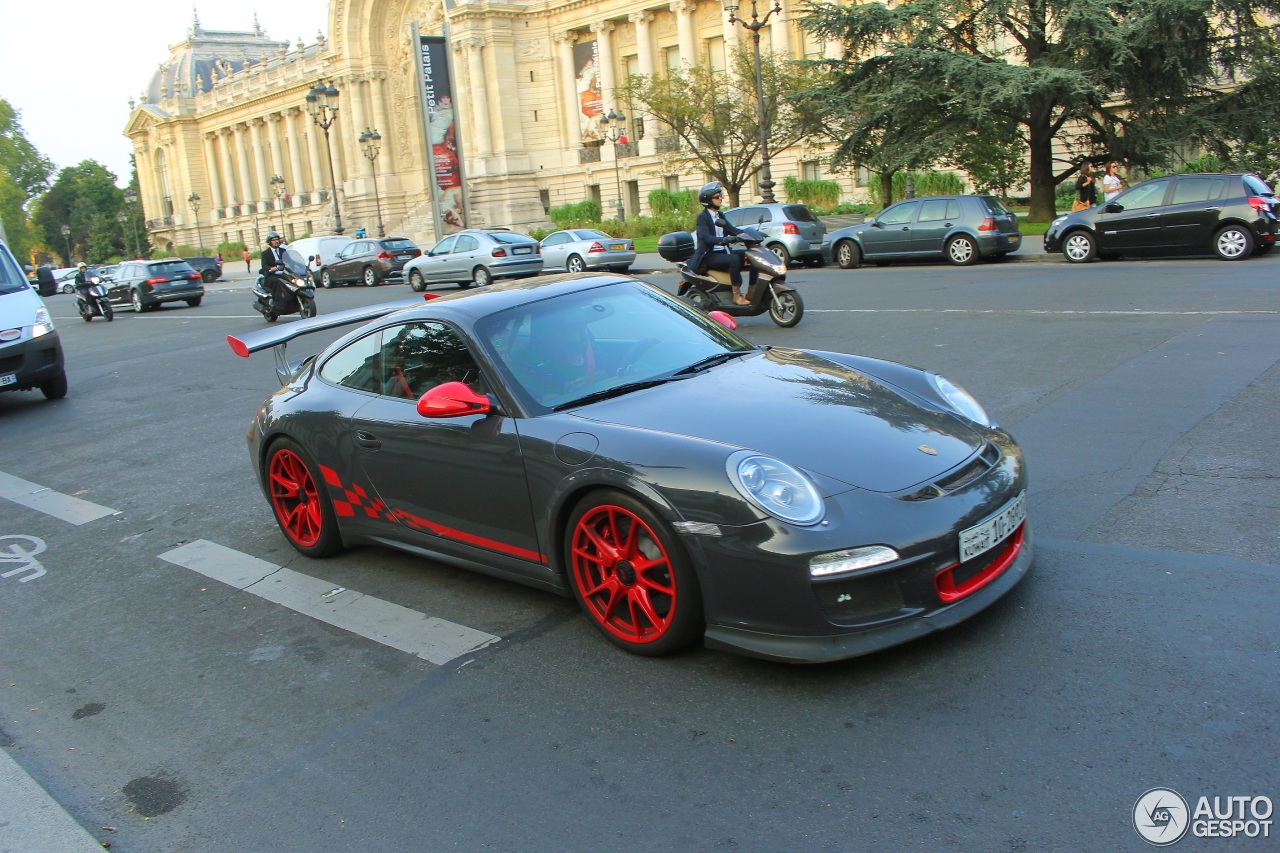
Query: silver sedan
x=579, y=249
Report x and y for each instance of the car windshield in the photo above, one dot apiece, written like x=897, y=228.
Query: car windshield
x=511, y=238
x=996, y=206
x=798, y=213
x=588, y=234
x=397, y=245
x=598, y=342
x=1254, y=184
x=11, y=278
x=169, y=268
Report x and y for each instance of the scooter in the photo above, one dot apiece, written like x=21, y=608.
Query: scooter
x=711, y=291
x=96, y=305
x=297, y=296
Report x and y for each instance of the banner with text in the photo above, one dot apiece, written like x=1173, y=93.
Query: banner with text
x=445, y=153
x=590, y=106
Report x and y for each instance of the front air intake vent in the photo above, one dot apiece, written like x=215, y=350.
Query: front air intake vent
x=960, y=477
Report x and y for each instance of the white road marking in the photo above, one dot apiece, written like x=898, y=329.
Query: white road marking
x=46, y=500
x=436, y=640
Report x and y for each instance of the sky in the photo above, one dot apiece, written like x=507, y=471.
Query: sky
x=70, y=66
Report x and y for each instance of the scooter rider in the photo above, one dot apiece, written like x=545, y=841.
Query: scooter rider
x=713, y=233
x=82, y=282
x=272, y=263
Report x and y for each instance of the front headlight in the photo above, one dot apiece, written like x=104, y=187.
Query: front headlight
x=43, y=324
x=960, y=400
x=775, y=487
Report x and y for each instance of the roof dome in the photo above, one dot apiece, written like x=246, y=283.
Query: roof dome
x=206, y=56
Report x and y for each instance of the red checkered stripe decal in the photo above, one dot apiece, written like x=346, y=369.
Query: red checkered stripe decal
x=349, y=500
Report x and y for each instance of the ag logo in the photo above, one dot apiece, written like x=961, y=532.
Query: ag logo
x=1160, y=816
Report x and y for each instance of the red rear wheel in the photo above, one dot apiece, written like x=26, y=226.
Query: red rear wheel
x=302, y=509
x=631, y=575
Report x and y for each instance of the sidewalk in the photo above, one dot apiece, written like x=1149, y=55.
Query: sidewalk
x=31, y=821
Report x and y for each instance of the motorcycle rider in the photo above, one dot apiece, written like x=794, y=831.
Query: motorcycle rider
x=272, y=263
x=714, y=233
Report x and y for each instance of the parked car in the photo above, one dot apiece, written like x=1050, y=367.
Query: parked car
x=107, y=272
x=476, y=256
x=793, y=232
x=66, y=279
x=963, y=229
x=1232, y=216
x=210, y=269
x=322, y=249
x=147, y=284
x=30, y=350
x=369, y=262
x=581, y=249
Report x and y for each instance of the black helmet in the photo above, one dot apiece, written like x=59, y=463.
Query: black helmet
x=273, y=235
x=705, y=194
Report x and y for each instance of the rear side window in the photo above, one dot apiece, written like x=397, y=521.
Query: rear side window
x=467, y=243
x=169, y=268
x=357, y=365
x=799, y=213
x=937, y=209
x=995, y=206
x=1191, y=190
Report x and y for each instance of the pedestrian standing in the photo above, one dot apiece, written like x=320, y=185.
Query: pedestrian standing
x=1086, y=188
x=1111, y=181
x=247, y=259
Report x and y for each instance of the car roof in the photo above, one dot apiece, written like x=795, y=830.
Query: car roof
x=501, y=295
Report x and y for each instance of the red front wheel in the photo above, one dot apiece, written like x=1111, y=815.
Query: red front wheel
x=631, y=575
x=302, y=509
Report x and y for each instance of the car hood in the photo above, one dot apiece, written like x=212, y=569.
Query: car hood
x=808, y=412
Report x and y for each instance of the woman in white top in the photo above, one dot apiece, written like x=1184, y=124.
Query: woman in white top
x=1111, y=183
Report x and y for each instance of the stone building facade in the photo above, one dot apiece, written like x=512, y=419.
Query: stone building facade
x=225, y=119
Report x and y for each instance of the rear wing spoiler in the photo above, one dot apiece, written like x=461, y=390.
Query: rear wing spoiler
x=278, y=337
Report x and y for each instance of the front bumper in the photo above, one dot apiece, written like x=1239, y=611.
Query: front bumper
x=30, y=362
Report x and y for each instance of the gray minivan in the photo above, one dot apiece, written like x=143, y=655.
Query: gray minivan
x=30, y=350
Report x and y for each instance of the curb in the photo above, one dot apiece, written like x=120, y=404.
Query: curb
x=31, y=820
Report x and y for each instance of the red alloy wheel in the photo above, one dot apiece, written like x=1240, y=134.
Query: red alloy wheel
x=295, y=498
x=623, y=574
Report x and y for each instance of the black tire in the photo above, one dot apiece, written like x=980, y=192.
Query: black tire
x=481, y=277
x=67, y=288
x=326, y=278
x=781, y=252
x=300, y=501
x=194, y=302
x=306, y=308
x=108, y=312
x=962, y=251
x=55, y=388
x=135, y=299
x=666, y=612
x=208, y=276
x=270, y=316
x=698, y=299
x=787, y=309
x=86, y=312
x=1079, y=247
x=847, y=255
x=575, y=264
x=1233, y=243
x=369, y=277
x=416, y=282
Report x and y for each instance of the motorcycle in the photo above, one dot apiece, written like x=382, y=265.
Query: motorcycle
x=711, y=291
x=297, y=292
x=96, y=305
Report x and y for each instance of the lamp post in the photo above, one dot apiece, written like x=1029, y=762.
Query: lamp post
x=757, y=23
x=371, y=142
x=322, y=106
x=194, y=201
x=277, y=182
x=121, y=216
x=130, y=199
x=66, y=235
x=615, y=130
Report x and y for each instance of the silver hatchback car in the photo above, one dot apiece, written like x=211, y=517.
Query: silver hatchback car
x=792, y=231
x=578, y=249
x=475, y=256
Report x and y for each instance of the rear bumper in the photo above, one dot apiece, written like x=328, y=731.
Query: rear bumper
x=31, y=362
x=519, y=267
x=153, y=294
x=601, y=260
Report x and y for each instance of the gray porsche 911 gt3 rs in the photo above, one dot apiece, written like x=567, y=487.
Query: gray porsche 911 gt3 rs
x=594, y=436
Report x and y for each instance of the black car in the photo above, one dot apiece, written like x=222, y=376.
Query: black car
x=369, y=262
x=147, y=284
x=1232, y=216
x=210, y=269
x=594, y=436
x=963, y=229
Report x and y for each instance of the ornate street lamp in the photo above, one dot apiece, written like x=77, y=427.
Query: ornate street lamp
x=130, y=199
x=371, y=142
x=322, y=106
x=277, y=183
x=757, y=23
x=615, y=130
x=194, y=201
x=66, y=235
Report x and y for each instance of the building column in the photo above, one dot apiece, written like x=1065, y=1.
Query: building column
x=684, y=11
x=380, y=123
x=644, y=60
x=242, y=150
x=273, y=136
x=318, y=165
x=260, y=159
x=780, y=31
x=608, y=77
x=291, y=126
x=569, y=89
x=211, y=167
x=479, y=95
x=228, y=173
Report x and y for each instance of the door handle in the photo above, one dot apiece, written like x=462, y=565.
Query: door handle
x=1212, y=209
x=367, y=440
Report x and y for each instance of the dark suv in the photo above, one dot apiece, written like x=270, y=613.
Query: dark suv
x=146, y=284
x=210, y=269
x=962, y=229
x=1233, y=216
x=370, y=262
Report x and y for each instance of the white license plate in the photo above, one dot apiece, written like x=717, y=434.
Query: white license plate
x=617, y=247
x=8, y=379
x=1013, y=238
x=983, y=537
x=521, y=251
x=815, y=245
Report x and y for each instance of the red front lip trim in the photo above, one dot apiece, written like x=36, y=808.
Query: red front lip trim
x=949, y=592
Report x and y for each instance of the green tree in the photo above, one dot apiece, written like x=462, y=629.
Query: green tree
x=24, y=174
x=713, y=114
x=1094, y=79
x=86, y=199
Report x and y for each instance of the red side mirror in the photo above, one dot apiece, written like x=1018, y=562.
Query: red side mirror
x=724, y=320
x=451, y=400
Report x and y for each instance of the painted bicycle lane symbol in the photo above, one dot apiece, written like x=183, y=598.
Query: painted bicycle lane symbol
x=21, y=549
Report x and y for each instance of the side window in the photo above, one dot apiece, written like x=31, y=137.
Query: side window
x=1144, y=196
x=356, y=365
x=953, y=209
x=1189, y=190
x=467, y=243
x=556, y=239
x=735, y=217
x=899, y=214
x=933, y=210
x=417, y=357
x=757, y=216
x=443, y=247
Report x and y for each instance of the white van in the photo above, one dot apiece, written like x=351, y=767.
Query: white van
x=30, y=351
x=323, y=247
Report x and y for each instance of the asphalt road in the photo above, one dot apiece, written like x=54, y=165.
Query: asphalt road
x=1139, y=652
